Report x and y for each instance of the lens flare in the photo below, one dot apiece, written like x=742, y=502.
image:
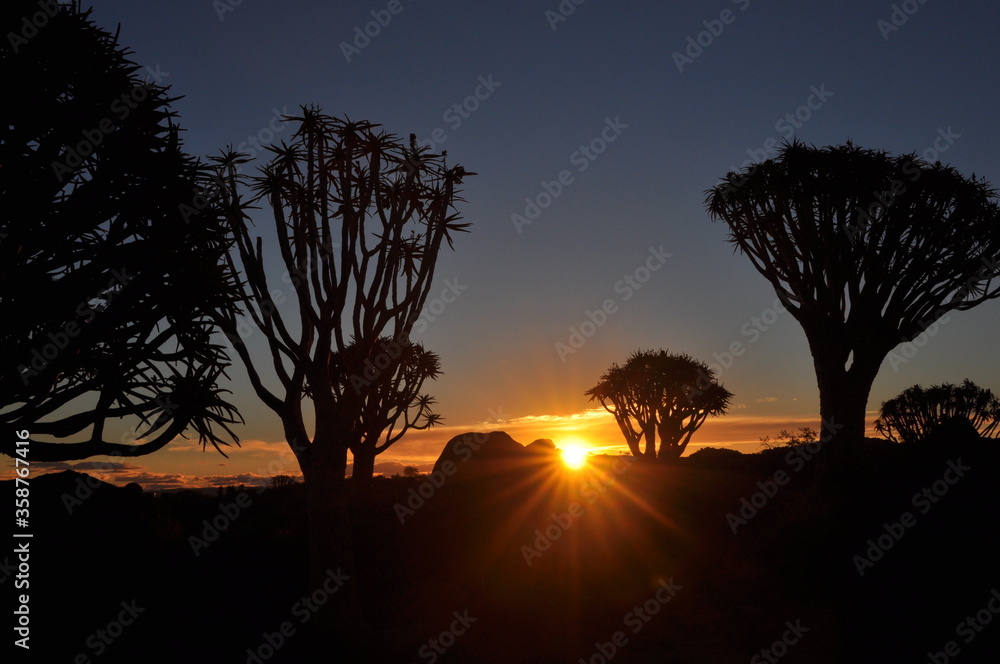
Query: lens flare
x=574, y=456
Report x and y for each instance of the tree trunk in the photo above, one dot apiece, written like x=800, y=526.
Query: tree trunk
x=362, y=473
x=843, y=395
x=339, y=622
x=649, y=433
x=669, y=449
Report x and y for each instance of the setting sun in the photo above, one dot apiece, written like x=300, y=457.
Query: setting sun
x=574, y=455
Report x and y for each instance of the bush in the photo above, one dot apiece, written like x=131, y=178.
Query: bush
x=917, y=412
x=805, y=436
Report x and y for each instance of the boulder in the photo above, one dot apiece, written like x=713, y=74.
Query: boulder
x=478, y=453
x=542, y=446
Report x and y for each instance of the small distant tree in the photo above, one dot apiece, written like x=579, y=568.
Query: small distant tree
x=656, y=394
x=282, y=481
x=411, y=471
x=804, y=436
x=916, y=412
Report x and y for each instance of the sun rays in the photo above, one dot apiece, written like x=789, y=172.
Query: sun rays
x=574, y=455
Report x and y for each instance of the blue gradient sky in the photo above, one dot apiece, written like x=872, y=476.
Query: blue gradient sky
x=679, y=131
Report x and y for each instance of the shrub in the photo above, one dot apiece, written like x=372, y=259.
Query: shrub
x=916, y=412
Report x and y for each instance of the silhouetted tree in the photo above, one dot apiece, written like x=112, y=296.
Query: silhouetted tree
x=786, y=438
x=390, y=400
x=411, y=471
x=282, y=481
x=361, y=220
x=111, y=265
x=656, y=393
x=866, y=250
x=916, y=412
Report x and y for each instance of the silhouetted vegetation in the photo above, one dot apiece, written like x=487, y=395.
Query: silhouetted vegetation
x=917, y=412
x=390, y=397
x=660, y=394
x=282, y=481
x=786, y=438
x=360, y=220
x=462, y=551
x=110, y=257
x=866, y=250
x=121, y=257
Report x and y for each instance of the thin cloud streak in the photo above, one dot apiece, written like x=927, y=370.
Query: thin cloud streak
x=256, y=461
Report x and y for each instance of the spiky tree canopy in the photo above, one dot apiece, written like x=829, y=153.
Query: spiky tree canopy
x=360, y=219
x=656, y=393
x=110, y=261
x=389, y=389
x=872, y=244
x=917, y=411
x=865, y=249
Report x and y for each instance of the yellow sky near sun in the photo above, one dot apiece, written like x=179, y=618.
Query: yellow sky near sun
x=184, y=464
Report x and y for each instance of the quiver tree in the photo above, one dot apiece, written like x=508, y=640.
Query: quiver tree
x=110, y=274
x=866, y=250
x=659, y=394
x=916, y=412
x=391, y=401
x=360, y=221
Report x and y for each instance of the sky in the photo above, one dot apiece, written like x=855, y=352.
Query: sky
x=595, y=129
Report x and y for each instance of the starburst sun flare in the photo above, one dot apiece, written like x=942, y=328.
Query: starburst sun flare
x=574, y=455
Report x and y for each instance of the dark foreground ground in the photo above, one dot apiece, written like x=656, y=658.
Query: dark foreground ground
x=894, y=561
